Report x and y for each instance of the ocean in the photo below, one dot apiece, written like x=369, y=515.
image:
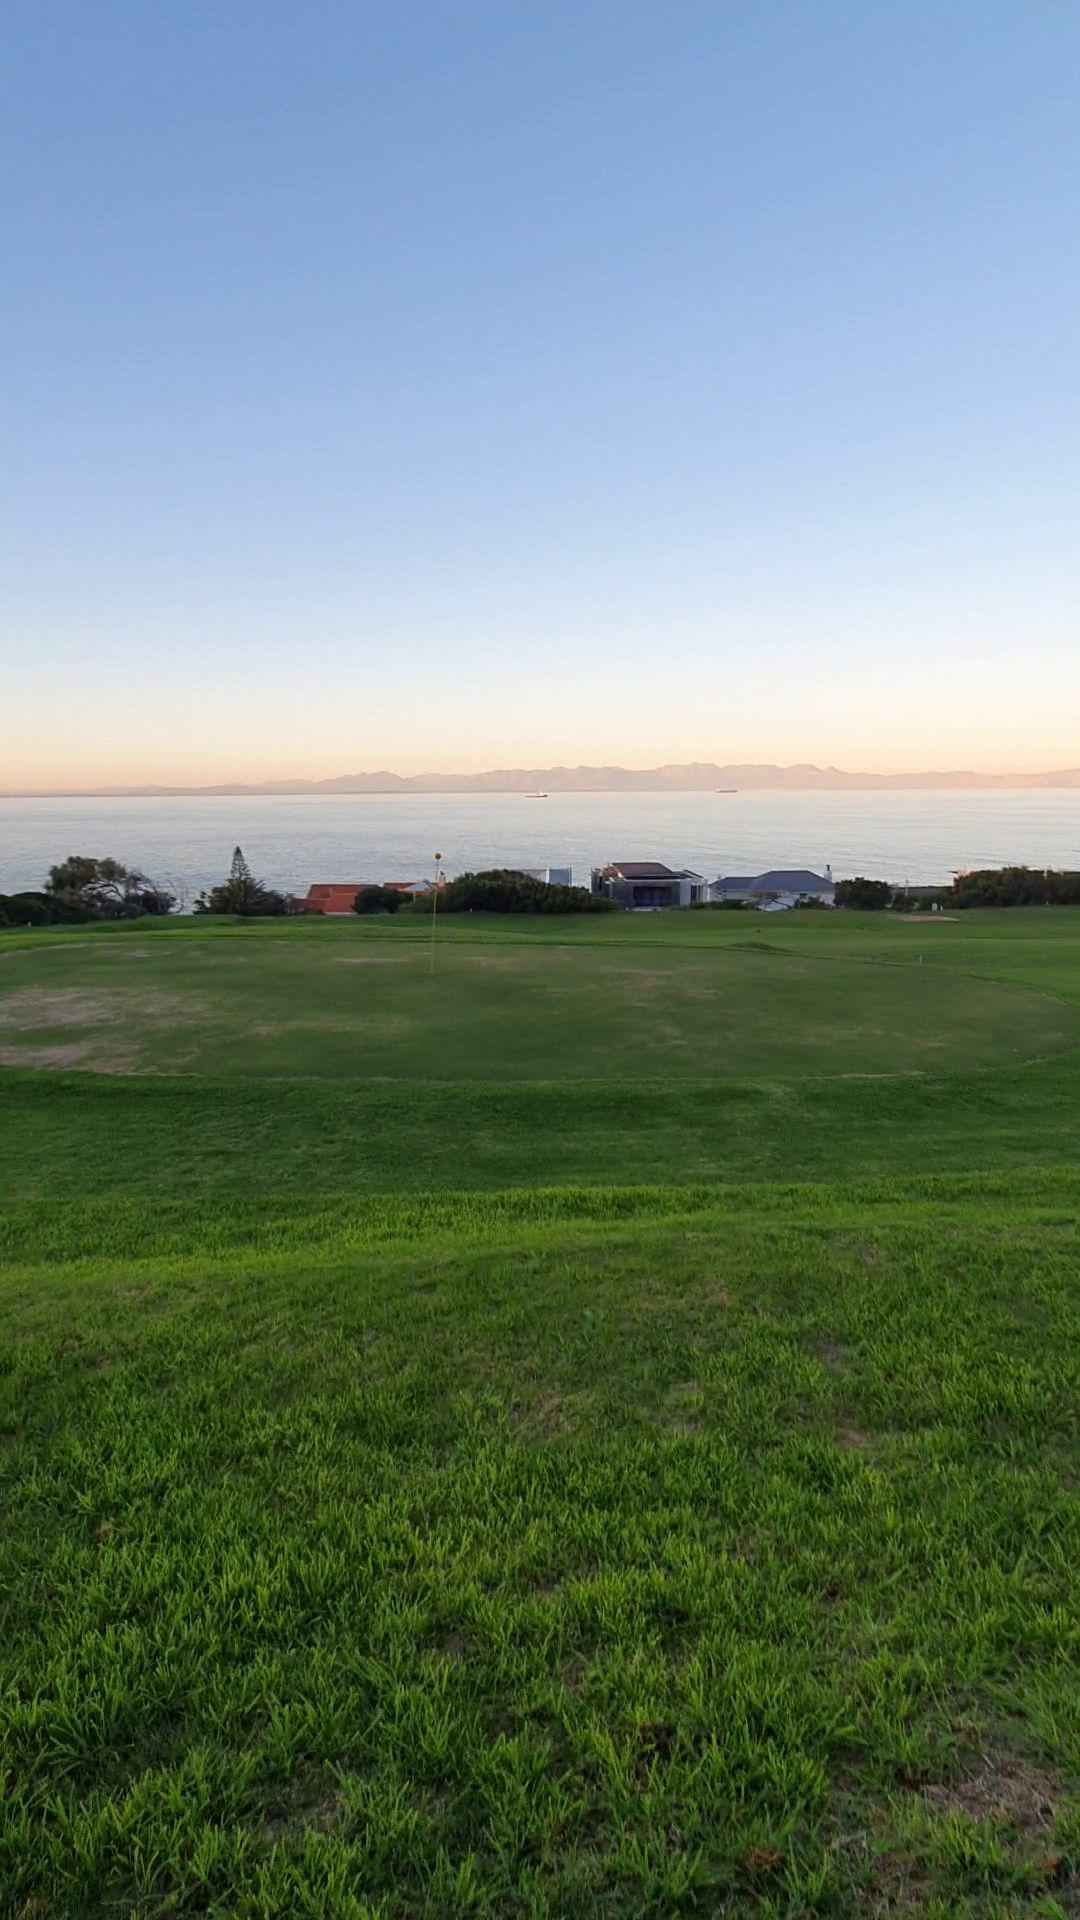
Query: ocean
x=292, y=840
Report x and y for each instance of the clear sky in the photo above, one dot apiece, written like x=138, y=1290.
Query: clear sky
x=454, y=386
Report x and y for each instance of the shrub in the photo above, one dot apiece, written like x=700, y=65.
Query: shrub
x=1015, y=887
x=41, y=910
x=504, y=890
x=870, y=896
x=375, y=899
x=104, y=889
x=242, y=894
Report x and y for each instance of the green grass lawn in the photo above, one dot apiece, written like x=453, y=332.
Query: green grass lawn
x=591, y=1434
x=382, y=1006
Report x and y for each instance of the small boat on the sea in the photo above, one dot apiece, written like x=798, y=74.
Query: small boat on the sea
x=536, y=796
x=726, y=789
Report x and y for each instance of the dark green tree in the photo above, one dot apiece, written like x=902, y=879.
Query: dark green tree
x=1015, y=887
x=40, y=910
x=870, y=896
x=504, y=890
x=106, y=890
x=375, y=899
x=241, y=894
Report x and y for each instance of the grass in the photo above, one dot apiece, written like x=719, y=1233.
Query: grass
x=373, y=1008
x=69, y=1135
x=651, y=1495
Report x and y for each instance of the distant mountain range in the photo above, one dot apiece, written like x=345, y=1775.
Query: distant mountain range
x=699, y=776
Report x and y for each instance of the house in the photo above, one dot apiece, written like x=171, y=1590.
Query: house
x=779, y=888
x=646, y=884
x=337, y=896
x=327, y=897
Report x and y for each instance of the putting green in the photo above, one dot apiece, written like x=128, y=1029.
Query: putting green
x=371, y=1008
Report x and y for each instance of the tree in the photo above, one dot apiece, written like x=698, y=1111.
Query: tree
x=40, y=910
x=504, y=890
x=241, y=894
x=106, y=890
x=1015, y=887
x=868, y=895
x=373, y=899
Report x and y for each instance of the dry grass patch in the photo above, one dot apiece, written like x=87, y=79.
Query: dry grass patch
x=89, y=1056
x=1001, y=1786
x=34, y=1008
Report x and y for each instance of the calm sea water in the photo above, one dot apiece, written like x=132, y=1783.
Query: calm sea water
x=293, y=840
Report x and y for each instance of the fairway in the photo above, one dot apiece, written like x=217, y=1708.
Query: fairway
x=381, y=1005
x=583, y=1433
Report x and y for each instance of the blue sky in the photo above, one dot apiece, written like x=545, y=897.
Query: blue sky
x=452, y=387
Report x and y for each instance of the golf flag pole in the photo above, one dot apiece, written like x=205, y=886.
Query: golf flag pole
x=434, y=908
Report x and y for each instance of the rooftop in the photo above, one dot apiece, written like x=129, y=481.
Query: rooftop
x=777, y=880
x=647, y=870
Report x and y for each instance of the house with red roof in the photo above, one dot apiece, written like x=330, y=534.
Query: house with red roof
x=337, y=896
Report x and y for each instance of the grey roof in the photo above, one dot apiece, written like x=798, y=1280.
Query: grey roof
x=777, y=880
x=642, y=870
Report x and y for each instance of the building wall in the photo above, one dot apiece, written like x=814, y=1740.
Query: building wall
x=641, y=894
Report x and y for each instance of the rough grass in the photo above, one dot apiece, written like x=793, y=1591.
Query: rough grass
x=630, y=1497
x=70, y=1135
x=697, y=1564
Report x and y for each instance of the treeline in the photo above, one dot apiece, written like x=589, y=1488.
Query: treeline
x=81, y=888
x=84, y=888
x=501, y=890
x=987, y=887
x=495, y=890
x=1017, y=887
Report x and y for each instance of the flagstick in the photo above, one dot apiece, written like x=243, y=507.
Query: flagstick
x=434, y=908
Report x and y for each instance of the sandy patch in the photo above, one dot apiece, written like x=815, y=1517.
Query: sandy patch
x=928, y=919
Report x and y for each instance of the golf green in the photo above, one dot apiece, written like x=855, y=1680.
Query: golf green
x=378, y=1006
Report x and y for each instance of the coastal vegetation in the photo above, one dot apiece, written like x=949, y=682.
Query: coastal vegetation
x=84, y=888
x=376, y=899
x=504, y=890
x=869, y=896
x=1016, y=887
x=241, y=894
x=579, y=1420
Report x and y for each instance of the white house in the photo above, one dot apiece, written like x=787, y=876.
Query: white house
x=778, y=889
